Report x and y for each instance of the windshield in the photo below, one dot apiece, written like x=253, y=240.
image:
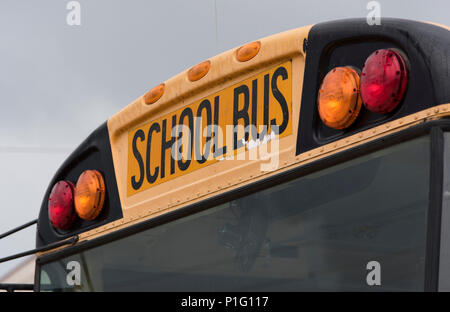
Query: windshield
x=358, y=225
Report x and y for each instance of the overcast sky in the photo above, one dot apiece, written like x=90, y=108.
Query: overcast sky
x=60, y=82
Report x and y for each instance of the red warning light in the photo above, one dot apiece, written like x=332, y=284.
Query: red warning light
x=60, y=205
x=383, y=81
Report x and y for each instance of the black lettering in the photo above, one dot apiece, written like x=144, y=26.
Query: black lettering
x=217, y=151
x=137, y=184
x=151, y=178
x=280, y=71
x=240, y=114
x=167, y=144
x=201, y=158
x=255, y=133
x=187, y=112
x=266, y=103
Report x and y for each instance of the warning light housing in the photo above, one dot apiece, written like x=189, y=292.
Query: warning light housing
x=383, y=81
x=60, y=205
x=89, y=194
x=339, y=102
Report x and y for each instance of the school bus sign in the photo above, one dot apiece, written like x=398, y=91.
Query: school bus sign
x=213, y=128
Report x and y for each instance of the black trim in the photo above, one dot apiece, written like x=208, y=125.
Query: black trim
x=348, y=43
x=93, y=153
x=435, y=209
x=331, y=160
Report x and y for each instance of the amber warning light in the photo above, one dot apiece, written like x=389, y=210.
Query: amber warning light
x=89, y=194
x=339, y=101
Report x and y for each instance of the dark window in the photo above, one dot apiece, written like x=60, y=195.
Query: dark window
x=314, y=233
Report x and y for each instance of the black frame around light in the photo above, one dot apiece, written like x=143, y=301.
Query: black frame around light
x=435, y=131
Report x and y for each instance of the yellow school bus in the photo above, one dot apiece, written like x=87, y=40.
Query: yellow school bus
x=311, y=160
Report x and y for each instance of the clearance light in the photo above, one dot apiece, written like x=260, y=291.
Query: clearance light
x=339, y=101
x=154, y=94
x=60, y=205
x=199, y=71
x=248, y=51
x=383, y=81
x=89, y=194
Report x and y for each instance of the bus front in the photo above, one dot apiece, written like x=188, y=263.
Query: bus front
x=312, y=160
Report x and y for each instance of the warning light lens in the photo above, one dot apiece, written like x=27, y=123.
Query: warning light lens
x=339, y=101
x=60, y=205
x=89, y=194
x=383, y=81
x=154, y=94
x=248, y=51
x=199, y=71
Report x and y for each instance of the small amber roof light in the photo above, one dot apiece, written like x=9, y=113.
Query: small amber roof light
x=248, y=51
x=89, y=194
x=154, y=94
x=339, y=101
x=199, y=71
